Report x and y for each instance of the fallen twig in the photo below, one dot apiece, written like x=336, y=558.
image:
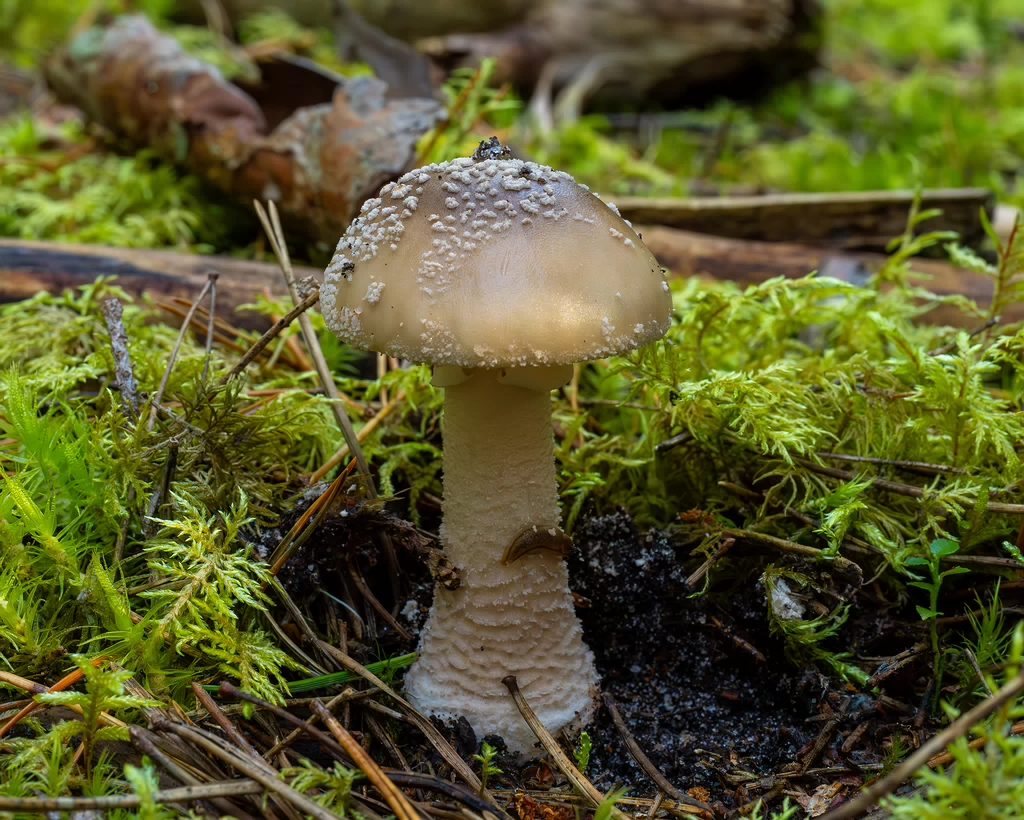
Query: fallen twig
x=272, y=225
x=645, y=762
x=443, y=747
x=251, y=770
x=210, y=325
x=229, y=728
x=158, y=397
x=914, y=466
x=946, y=758
x=791, y=546
x=146, y=743
x=124, y=375
x=558, y=757
x=901, y=489
x=395, y=798
x=44, y=805
x=160, y=493
x=271, y=334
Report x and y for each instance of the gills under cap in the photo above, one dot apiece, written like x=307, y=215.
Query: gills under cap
x=493, y=263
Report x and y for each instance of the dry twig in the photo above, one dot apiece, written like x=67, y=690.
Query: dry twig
x=558, y=757
x=645, y=762
x=271, y=334
x=113, y=312
x=272, y=225
x=205, y=791
x=251, y=770
x=158, y=397
x=395, y=798
x=443, y=747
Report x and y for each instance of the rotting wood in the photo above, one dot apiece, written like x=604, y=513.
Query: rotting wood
x=29, y=267
x=860, y=220
x=747, y=262
x=320, y=157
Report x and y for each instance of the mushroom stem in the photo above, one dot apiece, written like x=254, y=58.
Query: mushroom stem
x=515, y=619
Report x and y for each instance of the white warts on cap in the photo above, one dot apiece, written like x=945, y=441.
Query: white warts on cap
x=481, y=260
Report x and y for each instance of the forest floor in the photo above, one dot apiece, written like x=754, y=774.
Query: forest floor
x=797, y=519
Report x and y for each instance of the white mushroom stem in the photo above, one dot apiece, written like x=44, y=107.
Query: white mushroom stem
x=518, y=619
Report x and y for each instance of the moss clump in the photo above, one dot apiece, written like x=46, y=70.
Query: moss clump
x=59, y=184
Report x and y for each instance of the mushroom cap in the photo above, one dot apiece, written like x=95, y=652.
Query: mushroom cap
x=493, y=263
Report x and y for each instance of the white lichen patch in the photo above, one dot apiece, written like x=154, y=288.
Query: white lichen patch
x=784, y=604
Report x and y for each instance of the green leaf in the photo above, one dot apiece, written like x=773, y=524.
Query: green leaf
x=944, y=546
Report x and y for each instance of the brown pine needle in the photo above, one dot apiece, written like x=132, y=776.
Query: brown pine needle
x=395, y=797
x=558, y=757
x=250, y=769
x=364, y=433
x=300, y=531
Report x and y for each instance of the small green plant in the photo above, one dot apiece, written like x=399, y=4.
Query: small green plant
x=894, y=753
x=611, y=800
x=982, y=783
x=988, y=646
x=104, y=692
x=334, y=785
x=475, y=110
x=787, y=812
x=486, y=759
x=582, y=752
x=145, y=782
x=48, y=759
x=938, y=549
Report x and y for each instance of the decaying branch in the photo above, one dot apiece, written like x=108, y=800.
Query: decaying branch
x=113, y=312
x=859, y=220
x=29, y=267
x=319, y=161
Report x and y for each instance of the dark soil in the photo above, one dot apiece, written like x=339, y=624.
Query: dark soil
x=705, y=690
x=683, y=670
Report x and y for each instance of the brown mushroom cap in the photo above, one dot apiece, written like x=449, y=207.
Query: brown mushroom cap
x=493, y=263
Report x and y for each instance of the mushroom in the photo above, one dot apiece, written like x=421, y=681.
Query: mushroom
x=501, y=274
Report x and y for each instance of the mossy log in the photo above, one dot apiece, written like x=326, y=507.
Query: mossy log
x=29, y=267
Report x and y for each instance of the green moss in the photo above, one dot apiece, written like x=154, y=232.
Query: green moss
x=56, y=186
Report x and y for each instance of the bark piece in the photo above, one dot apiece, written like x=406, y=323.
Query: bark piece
x=29, y=267
x=319, y=164
x=692, y=254
x=865, y=220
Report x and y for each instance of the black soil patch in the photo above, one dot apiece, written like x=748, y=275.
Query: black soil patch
x=703, y=687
